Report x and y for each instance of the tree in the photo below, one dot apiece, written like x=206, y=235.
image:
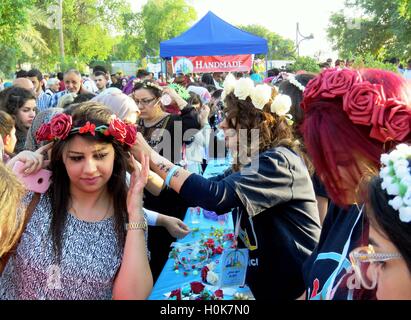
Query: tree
x=307, y=64
x=381, y=28
x=279, y=48
x=13, y=18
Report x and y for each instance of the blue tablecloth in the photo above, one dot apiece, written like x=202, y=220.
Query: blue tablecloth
x=169, y=280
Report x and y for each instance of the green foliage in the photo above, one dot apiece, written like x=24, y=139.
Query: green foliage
x=307, y=64
x=279, y=48
x=368, y=61
x=13, y=19
x=381, y=28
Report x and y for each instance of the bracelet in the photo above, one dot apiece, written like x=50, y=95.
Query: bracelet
x=137, y=225
x=170, y=175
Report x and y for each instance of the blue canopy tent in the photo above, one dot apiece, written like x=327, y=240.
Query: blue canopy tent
x=212, y=36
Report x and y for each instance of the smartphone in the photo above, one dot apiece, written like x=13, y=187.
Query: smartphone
x=36, y=182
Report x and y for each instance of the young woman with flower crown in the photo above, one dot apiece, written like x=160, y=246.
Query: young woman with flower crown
x=351, y=118
x=385, y=264
x=271, y=193
x=86, y=237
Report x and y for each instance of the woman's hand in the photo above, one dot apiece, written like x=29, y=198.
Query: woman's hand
x=142, y=146
x=33, y=161
x=177, y=228
x=203, y=115
x=137, y=183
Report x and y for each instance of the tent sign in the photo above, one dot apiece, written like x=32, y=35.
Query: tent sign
x=202, y=64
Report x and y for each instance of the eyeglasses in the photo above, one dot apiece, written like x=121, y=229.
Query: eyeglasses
x=144, y=102
x=365, y=262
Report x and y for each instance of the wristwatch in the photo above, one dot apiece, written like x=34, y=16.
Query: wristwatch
x=137, y=225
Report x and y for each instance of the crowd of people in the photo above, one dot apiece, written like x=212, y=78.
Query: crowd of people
x=320, y=196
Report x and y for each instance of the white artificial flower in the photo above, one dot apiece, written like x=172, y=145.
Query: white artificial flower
x=404, y=149
x=384, y=172
x=393, y=189
x=396, y=203
x=260, y=95
x=243, y=88
x=406, y=180
x=401, y=172
x=385, y=159
x=211, y=266
x=229, y=83
x=395, y=155
x=281, y=105
x=212, y=277
x=405, y=214
x=400, y=163
x=407, y=197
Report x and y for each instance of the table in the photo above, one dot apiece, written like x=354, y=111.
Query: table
x=169, y=279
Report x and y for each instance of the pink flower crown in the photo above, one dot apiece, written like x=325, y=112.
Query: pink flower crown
x=60, y=127
x=365, y=103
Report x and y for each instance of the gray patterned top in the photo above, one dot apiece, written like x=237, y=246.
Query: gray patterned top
x=90, y=260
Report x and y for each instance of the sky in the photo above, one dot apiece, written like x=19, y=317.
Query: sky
x=277, y=16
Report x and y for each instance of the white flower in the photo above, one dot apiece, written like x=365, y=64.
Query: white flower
x=385, y=158
x=211, y=266
x=212, y=277
x=395, y=155
x=396, y=203
x=401, y=171
x=295, y=82
x=384, y=172
x=407, y=197
x=406, y=180
x=260, y=95
x=243, y=88
x=393, y=189
x=281, y=105
x=404, y=149
x=229, y=83
x=400, y=163
x=405, y=214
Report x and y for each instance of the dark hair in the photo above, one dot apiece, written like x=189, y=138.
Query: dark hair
x=273, y=72
x=194, y=99
x=83, y=97
x=21, y=74
x=35, y=73
x=148, y=85
x=142, y=73
x=99, y=68
x=60, y=76
x=59, y=191
x=207, y=78
x=6, y=123
x=14, y=99
x=217, y=93
x=384, y=218
x=99, y=73
x=273, y=130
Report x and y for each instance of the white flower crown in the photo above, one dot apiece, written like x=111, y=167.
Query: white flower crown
x=397, y=179
x=296, y=83
x=260, y=95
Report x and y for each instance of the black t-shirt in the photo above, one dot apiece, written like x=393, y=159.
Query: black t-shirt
x=329, y=267
x=279, y=217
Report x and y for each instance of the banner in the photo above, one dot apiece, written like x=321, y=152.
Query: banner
x=203, y=64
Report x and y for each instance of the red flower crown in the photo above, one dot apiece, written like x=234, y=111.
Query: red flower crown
x=365, y=103
x=60, y=127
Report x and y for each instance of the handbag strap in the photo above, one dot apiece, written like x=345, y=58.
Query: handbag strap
x=29, y=212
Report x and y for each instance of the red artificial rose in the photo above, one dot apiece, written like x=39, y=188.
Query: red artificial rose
x=117, y=129
x=229, y=236
x=218, y=250
x=88, y=127
x=391, y=122
x=338, y=82
x=312, y=90
x=209, y=243
x=204, y=272
x=60, y=126
x=196, y=287
x=131, y=135
x=219, y=294
x=44, y=133
x=176, y=293
x=362, y=100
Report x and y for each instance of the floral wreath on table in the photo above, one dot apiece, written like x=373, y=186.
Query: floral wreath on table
x=61, y=126
x=365, y=103
x=396, y=178
x=260, y=95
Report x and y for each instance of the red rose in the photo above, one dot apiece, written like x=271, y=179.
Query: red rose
x=391, y=122
x=219, y=294
x=196, y=287
x=88, y=127
x=204, y=273
x=131, y=135
x=175, y=293
x=209, y=243
x=312, y=90
x=218, y=250
x=338, y=82
x=60, y=126
x=44, y=133
x=362, y=100
x=117, y=129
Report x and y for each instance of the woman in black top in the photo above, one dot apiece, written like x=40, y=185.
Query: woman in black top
x=271, y=192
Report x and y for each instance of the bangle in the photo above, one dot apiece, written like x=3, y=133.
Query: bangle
x=137, y=225
x=170, y=175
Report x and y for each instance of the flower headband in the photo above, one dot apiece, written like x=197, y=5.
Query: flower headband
x=61, y=126
x=397, y=179
x=260, y=95
x=365, y=103
x=296, y=83
x=147, y=84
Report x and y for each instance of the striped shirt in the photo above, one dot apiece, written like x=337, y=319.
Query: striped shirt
x=43, y=101
x=55, y=98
